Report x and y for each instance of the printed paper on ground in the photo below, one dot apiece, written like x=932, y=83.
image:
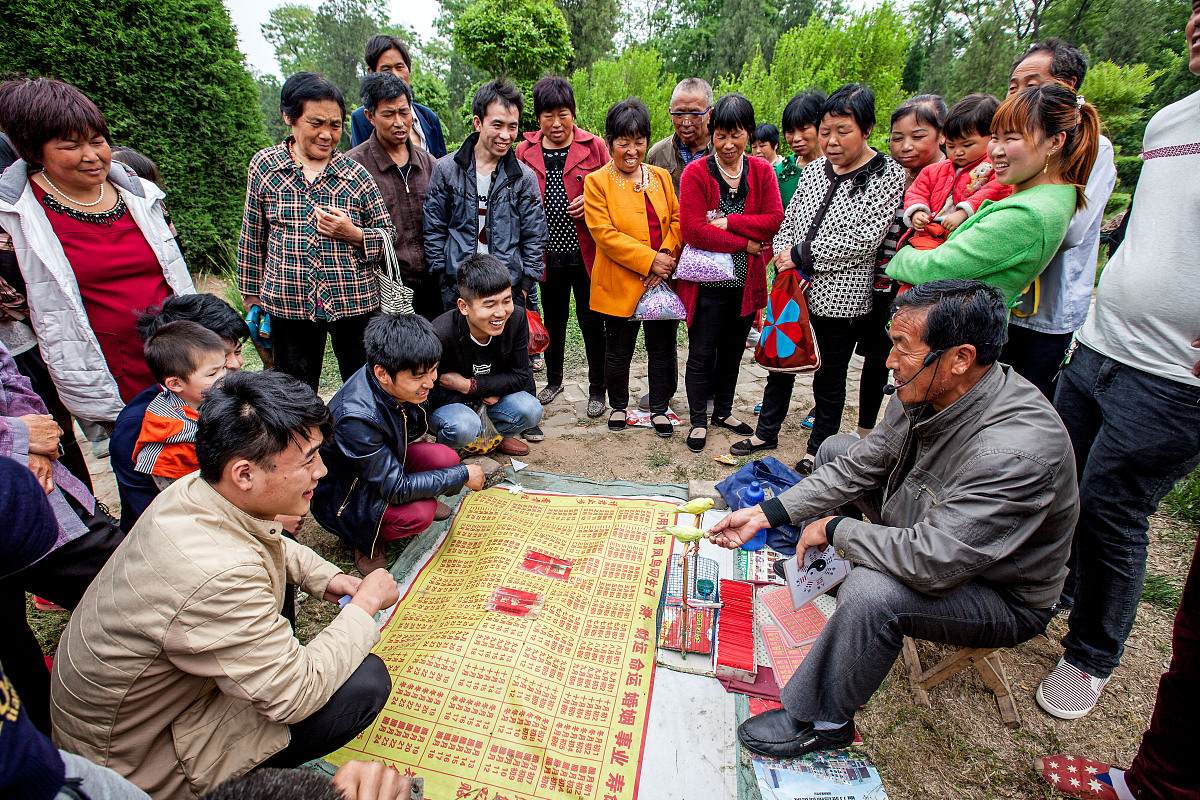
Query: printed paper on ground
x=486, y=705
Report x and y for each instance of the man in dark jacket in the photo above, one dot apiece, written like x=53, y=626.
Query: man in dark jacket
x=481, y=199
x=382, y=483
x=969, y=490
x=390, y=54
x=402, y=171
x=485, y=363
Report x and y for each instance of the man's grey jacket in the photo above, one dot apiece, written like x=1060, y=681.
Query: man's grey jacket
x=516, y=222
x=991, y=494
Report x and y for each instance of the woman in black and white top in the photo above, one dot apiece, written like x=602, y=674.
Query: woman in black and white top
x=831, y=232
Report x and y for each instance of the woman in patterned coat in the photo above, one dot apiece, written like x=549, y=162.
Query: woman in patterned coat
x=831, y=232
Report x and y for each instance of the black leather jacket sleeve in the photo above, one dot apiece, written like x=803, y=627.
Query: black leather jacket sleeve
x=382, y=468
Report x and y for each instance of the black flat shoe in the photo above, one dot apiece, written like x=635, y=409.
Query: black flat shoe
x=741, y=429
x=804, y=467
x=696, y=443
x=745, y=447
x=663, y=429
x=615, y=424
x=776, y=734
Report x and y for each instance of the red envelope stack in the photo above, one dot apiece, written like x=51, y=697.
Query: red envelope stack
x=735, y=632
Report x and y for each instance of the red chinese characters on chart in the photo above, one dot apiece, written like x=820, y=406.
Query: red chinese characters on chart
x=490, y=706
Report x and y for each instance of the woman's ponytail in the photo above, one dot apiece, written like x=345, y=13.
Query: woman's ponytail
x=1079, y=151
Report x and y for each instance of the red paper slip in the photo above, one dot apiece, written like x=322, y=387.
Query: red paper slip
x=784, y=660
x=798, y=628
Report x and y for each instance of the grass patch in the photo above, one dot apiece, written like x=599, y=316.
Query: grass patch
x=659, y=457
x=1183, y=501
x=47, y=626
x=1160, y=590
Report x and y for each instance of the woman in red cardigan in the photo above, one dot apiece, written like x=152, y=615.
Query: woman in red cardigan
x=729, y=203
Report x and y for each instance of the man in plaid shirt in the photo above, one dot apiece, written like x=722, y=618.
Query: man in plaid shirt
x=314, y=226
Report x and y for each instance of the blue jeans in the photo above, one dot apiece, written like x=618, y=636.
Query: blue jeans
x=457, y=425
x=1134, y=435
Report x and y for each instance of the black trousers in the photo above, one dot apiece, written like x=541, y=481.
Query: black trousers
x=32, y=366
x=556, y=309
x=620, y=338
x=874, y=345
x=1036, y=356
x=299, y=346
x=61, y=577
x=349, y=711
x=427, y=300
x=716, y=342
x=836, y=337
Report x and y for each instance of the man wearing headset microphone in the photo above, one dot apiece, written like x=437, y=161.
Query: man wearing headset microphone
x=969, y=495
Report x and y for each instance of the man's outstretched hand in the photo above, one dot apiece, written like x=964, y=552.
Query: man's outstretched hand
x=738, y=528
x=372, y=594
x=371, y=780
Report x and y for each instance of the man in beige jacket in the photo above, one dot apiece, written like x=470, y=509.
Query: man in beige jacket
x=176, y=669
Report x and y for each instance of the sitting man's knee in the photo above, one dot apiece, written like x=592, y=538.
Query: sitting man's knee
x=529, y=409
x=834, y=447
x=376, y=683
x=458, y=427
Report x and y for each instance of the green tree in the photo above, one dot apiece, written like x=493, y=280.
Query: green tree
x=268, y=102
x=869, y=47
x=519, y=38
x=637, y=73
x=1117, y=93
x=170, y=81
x=592, y=25
x=328, y=40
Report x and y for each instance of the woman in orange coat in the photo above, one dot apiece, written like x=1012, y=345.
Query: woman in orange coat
x=633, y=214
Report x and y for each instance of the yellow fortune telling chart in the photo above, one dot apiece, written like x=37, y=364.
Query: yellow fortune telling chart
x=546, y=697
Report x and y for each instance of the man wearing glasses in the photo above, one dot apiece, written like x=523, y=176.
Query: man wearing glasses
x=691, y=107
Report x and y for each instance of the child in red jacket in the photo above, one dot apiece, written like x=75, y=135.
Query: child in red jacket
x=948, y=192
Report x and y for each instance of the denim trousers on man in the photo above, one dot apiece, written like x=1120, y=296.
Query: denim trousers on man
x=1135, y=435
x=1036, y=356
x=861, y=641
x=91, y=781
x=457, y=424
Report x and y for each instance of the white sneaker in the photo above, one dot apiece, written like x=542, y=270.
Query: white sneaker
x=1068, y=692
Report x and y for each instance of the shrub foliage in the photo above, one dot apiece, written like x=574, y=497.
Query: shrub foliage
x=171, y=83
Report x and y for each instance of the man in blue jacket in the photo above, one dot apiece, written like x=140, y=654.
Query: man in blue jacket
x=386, y=53
x=382, y=483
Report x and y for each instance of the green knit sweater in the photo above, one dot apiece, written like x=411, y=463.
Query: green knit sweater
x=1005, y=244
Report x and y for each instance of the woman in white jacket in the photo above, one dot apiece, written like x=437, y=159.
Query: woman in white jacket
x=93, y=243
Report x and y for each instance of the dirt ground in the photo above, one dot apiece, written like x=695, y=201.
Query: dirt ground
x=956, y=749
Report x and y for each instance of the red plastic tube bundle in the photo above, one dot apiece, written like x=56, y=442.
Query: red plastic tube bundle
x=735, y=633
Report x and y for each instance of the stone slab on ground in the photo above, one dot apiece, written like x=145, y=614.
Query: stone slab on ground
x=493, y=470
x=698, y=488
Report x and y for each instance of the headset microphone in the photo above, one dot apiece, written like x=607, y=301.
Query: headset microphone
x=933, y=355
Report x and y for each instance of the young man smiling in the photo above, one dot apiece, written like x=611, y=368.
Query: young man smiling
x=481, y=199
x=177, y=669
x=382, y=483
x=485, y=363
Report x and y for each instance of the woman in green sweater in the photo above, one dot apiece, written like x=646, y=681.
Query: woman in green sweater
x=1043, y=144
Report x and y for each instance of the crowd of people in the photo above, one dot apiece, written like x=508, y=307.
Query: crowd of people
x=1011, y=477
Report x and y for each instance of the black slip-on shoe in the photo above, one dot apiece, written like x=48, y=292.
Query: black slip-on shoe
x=663, y=429
x=745, y=447
x=696, y=443
x=741, y=429
x=776, y=734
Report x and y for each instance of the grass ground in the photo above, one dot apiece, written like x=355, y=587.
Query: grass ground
x=957, y=748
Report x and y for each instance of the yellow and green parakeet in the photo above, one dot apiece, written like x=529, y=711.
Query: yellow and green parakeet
x=685, y=533
x=695, y=506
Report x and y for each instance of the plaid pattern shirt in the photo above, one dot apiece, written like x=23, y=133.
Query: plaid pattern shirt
x=296, y=272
